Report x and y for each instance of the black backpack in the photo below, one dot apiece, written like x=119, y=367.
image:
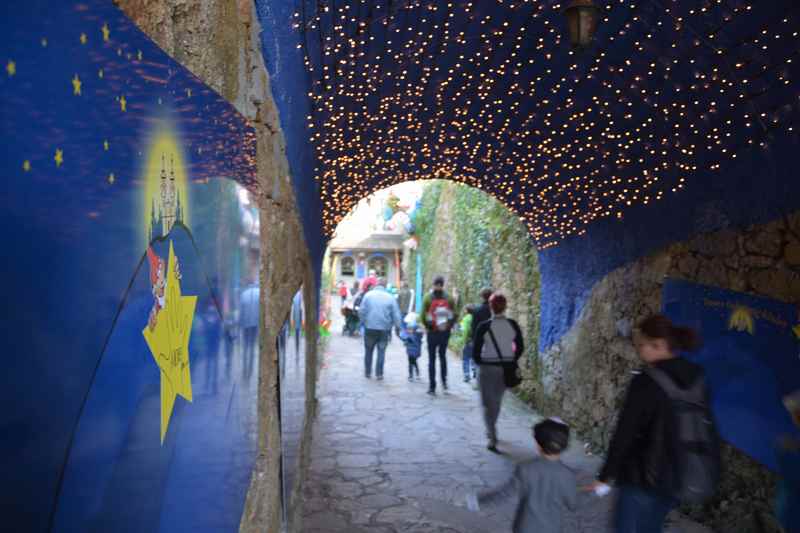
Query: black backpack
x=696, y=439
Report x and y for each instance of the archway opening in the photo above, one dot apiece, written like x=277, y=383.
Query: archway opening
x=406, y=235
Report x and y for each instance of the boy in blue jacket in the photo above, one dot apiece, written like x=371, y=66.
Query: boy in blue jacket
x=412, y=339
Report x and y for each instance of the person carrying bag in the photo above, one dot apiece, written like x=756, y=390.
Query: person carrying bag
x=497, y=371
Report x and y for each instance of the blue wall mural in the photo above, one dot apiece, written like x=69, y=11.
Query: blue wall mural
x=750, y=355
x=131, y=377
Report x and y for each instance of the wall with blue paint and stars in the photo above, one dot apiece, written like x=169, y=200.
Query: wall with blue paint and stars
x=131, y=237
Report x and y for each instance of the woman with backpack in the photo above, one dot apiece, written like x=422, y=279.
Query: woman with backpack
x=497, y=346
x=647, y=459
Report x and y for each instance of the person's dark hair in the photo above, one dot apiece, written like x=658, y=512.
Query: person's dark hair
x=471, y=308
x=678, y=338
x=438, y=280
x=498, y=303
x=486, y=293
x=552, y=436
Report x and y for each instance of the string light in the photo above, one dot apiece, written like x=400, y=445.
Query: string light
x=489, y=94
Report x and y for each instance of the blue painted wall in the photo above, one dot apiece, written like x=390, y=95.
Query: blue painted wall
x=290, y=86
x=88, y=107
x=761, y=187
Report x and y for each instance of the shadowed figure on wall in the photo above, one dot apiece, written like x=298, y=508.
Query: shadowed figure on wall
x=249, y=323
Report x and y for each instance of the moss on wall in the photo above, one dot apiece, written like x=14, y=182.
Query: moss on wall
x=475, y=241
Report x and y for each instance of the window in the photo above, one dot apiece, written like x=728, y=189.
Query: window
x=348, y=266
x=379, y=265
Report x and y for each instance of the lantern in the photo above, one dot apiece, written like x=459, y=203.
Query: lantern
x=582, y=17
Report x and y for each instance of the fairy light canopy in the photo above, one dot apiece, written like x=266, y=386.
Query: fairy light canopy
x=490, y=93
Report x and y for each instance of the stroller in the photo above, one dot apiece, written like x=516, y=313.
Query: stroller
x=351, y=322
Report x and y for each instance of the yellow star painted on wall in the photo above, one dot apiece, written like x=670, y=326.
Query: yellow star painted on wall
x=76, y=85
x=106, y=32
x=84, y=38
x=59, y=157
x=26, y=165
x=168, y=341
x=123, y=104
x=11, y=68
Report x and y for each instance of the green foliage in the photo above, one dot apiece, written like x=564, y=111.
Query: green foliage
x=478, y=242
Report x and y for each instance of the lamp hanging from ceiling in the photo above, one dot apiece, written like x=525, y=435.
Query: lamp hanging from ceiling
x=582, y=17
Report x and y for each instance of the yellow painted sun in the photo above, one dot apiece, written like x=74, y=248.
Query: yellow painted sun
x=166, y=198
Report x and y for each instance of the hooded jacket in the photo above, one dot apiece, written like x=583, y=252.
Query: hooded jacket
x=642, y=451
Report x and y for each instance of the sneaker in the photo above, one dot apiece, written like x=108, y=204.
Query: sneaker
x=432, y=392
x=379, y=378
x=492, y=445
x=444, y=386
x=368, y=376
x=466, y=379
x=410, y=379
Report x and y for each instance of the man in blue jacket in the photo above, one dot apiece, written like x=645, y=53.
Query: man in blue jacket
x=378, y=313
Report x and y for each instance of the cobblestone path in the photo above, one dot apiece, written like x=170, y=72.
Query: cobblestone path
x=389, y=458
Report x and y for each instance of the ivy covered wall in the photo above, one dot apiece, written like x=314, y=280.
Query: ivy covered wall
x=475, y=241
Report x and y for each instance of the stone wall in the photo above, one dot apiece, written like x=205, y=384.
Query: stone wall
x=474, y=241
x=583, y=377
x=218, y=40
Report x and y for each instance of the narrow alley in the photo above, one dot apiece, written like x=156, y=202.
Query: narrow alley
x=387, y=457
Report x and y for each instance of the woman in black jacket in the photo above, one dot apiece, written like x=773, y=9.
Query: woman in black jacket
x=641, y=458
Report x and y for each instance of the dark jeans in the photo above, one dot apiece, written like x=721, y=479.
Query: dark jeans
x=640, y=510
x=437, y=340
x=412, y=366
x=373, y=338
x=469, y=366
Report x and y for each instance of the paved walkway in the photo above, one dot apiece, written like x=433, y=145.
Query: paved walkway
x=389, y=458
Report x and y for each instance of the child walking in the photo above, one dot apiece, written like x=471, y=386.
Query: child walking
x=466, y=327
x=412, y=339
x=545, y=488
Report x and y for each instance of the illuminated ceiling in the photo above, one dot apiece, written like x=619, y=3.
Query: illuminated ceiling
x=490, y=94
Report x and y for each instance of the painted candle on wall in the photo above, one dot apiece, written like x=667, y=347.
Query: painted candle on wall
x=130, y=383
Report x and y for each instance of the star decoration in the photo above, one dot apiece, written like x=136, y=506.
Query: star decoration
x=105, y=145
x=11, y=68
x=168, y=341
x=76, y=85
x=84, y=38
x=106, y=32
x=123, y=104
x=111, y=178
x=26, y=165
x=59, y=157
